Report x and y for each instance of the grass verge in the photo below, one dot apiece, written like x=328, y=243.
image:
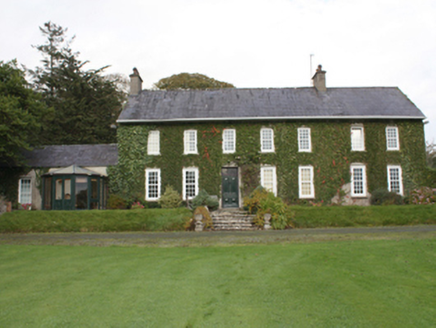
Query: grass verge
x=384, y=283
x=95, y=221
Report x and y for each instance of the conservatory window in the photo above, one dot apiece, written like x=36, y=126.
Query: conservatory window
x=392, y=142
x=229, y=141
x=190, y=141
x=153, y=145
x=304, y=142
x=358, y=180
x=305, y=179
x=190, y=182
x=395, y=181
x=152, y=184
x=267, y=140
x=268, y=178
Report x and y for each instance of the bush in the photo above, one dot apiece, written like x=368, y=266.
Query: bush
x=422, y=196
x=116, y=202
x=261, y=202
x=170, y=198
x=385, y=197
x=137, y=206
x=203, y=199
x=207, y=219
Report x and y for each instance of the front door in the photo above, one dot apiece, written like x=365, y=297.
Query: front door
x=230, y=188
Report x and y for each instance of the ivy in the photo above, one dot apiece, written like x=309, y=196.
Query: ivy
x=331, y=156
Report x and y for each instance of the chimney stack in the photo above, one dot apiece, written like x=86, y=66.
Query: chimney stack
x=319, y=79
x=135, y=83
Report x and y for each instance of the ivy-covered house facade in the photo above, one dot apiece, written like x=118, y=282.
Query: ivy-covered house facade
x=310, y=144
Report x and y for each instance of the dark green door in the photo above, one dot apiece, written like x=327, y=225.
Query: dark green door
x=230, y=188
x=63, y=193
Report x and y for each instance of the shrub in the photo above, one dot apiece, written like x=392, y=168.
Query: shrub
x=204, y=199
x=207, y=219
x=384, y=197
x=423, y=196
x=137, y=206
x=261, y=202
x=116, y=202
x=170, y=198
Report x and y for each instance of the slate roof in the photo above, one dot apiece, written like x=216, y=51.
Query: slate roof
x=285, y=103
x=66, y=155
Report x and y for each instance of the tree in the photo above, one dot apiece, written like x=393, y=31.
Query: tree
x=86, y=104
x=431, y=154
x=22, y=114
x=190, y=81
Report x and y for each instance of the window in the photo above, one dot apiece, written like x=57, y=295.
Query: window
x=268, y=178
x=266, y=140
x=190, y=141
x=190, y=182
x=229, y=141
x=358, y=180
x=152, y=184
x=395, y=180
x=153, y=146
x=392, y=142
x=25, y=191
x=304, y=143
x=305, y=179
x=357, y=138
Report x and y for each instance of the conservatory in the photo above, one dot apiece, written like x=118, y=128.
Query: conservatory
x=74, y=188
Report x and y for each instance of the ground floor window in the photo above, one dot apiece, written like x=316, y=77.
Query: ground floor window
x=25, y=191
x=395, y=181
x=152, y=184
x=305, y=180
x=190, y=182
x=358, y=180
x=268, y=178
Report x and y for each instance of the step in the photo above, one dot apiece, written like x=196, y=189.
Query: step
x=234, y=219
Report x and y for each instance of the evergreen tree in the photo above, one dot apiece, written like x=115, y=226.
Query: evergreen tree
x=86, y=104
x=22, y=114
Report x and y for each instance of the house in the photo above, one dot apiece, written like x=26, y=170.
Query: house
x=67, y=177
x=309, y=144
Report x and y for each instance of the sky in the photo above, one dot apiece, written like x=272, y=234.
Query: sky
x=249, y=43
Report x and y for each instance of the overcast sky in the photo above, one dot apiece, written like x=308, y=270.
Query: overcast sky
x=249, y=43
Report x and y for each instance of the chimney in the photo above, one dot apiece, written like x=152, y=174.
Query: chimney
x=135, y=83
x=319, y=79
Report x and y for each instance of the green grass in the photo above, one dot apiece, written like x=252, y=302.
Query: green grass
x=363, y=216
x=95, y=221
x=384, y=283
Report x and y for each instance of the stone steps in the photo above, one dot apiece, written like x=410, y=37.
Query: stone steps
x=232, y=220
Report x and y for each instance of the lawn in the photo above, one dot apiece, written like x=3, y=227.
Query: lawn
x=359, y=283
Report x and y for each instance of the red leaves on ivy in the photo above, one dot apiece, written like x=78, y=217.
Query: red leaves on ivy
x=334, y=163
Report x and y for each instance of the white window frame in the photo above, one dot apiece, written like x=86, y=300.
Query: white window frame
x=187, y=142
x=153, y=143
x=147, y=184
x=396, y=138
x=274, y=178
x=400, y=181
x=364, y=187
x=190, y=169
x=300, y=140
x=21, y=193
x=355, y=147
x=227, y=140
x=262, y=148
x=300, y=181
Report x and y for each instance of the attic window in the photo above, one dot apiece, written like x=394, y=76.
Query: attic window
x=267, y=140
